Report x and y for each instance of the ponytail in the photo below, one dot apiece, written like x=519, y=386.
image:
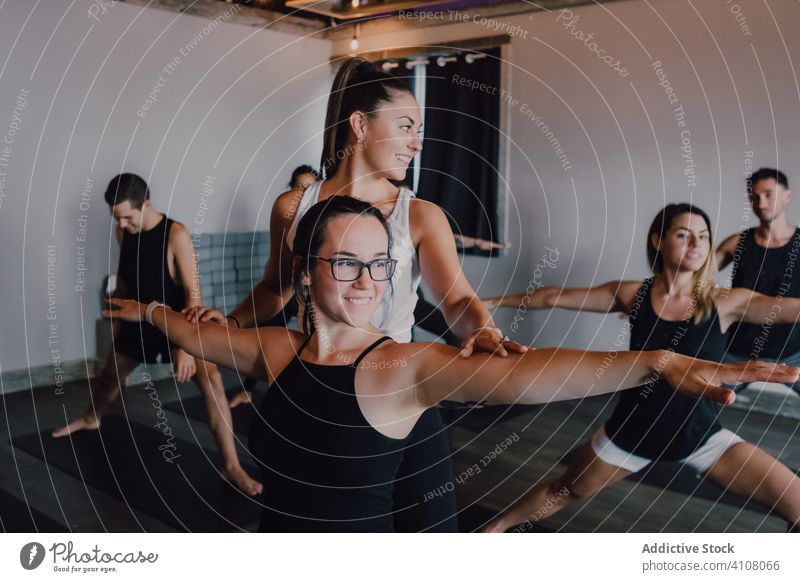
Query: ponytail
x=358, y=86
x=331, y=137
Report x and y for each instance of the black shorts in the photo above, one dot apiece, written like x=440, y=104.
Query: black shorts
x=143, y=343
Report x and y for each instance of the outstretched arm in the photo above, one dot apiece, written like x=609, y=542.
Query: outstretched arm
x=232, y=348
x=554, y=374
x=727, y=250
x=749, y=306
x=611, y=296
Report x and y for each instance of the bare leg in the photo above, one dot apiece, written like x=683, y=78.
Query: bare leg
x=243, y=397
x=585, y=476
x=246, y=395
x=105, y=389
x=209, y=380
x=746, y=470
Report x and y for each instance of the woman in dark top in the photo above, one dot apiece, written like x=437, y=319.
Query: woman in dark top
x=679, y=309
x=344, y=398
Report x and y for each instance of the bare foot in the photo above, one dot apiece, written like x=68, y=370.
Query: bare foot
x=243, y=397
x=243, y=481
x=79, y=424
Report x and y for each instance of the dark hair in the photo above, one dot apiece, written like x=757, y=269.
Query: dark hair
x=766, y=174
x=128, y=187
x=703, y=279
x=359, y=86
x=310, y=236
x=299, y=171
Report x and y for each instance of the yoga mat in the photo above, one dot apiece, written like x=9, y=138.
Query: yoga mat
x=168, y=478
x=471, y=519
x=17, y=517
x=193, y=407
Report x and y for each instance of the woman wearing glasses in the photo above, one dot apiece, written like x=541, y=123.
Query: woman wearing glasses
x=344, y=398
x=371, y=135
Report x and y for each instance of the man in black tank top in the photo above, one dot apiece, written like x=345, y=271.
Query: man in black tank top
x=765, y=259
x=157, y=263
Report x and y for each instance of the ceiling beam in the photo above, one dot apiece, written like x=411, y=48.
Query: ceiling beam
x=303, y=26
x=239, y=14
x=378, y=26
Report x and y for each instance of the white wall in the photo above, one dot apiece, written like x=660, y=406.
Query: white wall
x=221, y=112
x=739, y=93
x=86, y=80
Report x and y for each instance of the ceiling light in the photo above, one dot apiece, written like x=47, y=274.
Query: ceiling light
x=354, y=42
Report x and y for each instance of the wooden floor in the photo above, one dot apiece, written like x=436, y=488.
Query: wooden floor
x=546, y=434
x=540, y=437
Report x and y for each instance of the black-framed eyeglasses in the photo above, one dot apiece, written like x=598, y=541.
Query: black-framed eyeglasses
x=345, y=269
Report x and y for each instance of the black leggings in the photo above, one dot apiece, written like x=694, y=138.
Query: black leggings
x=426, y=468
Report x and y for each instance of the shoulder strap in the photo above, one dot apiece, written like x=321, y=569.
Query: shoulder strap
x=642, y=297
x=409, y=193
x=168, y=224
x=400, y=213
x=748, y=239
x=165, y=241
x=369, y=349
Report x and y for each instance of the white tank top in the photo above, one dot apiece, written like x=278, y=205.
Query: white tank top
x=395, y=315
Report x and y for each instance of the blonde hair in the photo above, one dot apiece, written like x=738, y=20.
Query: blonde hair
x=704, y=279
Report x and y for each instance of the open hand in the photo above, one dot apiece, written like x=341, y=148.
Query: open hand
x=125, y=309
x=492, y=341
x=704, y=379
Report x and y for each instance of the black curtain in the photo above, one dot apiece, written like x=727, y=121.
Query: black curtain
x=460, y=153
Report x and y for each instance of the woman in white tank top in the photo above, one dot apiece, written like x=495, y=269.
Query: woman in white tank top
x=371, y=136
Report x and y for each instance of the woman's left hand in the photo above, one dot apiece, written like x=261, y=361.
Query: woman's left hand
x=125, y=309
x=490, y=340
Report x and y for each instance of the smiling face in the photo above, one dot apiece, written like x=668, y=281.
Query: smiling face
x=686, y=245
x=769, y=199
x=352, y=302
x=128, y=217
x=391, y=135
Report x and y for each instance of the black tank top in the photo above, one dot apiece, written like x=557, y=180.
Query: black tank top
x=654, y=421
x=144, y=268
x=771, y=272
x=324, y=467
